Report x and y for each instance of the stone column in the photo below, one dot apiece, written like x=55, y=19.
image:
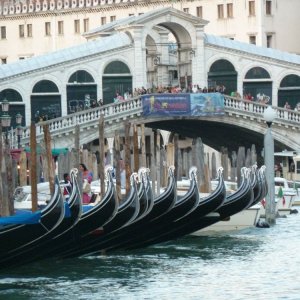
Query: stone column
x=140, y=75
x=198, y=60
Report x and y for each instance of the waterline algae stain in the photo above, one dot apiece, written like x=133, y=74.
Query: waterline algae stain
x=258, y=263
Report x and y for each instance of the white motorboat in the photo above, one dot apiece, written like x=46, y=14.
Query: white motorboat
x=288, y=186
x=245, y=219
x=283, y=205
x=22, y=196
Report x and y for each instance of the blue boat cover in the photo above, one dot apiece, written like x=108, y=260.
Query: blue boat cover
x=22, y=218
x=67, y=210
x=86, y=208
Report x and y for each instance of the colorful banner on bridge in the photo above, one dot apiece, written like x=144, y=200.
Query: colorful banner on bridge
x=207, y=104
x=199, y=104
x=166, y=104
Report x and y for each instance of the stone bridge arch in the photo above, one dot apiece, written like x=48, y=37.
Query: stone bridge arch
x=230, y=131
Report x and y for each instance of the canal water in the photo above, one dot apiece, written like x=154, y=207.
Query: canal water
x=257, y=263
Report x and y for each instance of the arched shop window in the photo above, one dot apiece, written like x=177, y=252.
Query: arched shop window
x=223, y=73
x=45, y=86
x=81, y=76
x=116, y=79
x=45, y=101
x=257, y=73
x=116, y=67
x=81, y=91
x=257, y=85
x=16, y=105
x=289, y=91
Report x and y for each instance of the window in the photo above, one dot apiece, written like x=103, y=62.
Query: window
x=77, y=26
x=22, y=57
x=47, y=28
x=29, y=30
x=252, y=39
x=112, y=18
x=199, y=11
x=251, y=8
x=186, y=10
x=130, y=15
x=229, y=10
x=220, y=11
x=268, y=7
x=269, y=41
x=103, y=20
x=60, y=27
x=21, y=31
x=86, y=25
x=3, y=60
x=3, y=32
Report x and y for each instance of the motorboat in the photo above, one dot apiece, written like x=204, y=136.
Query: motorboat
x=233, y=204
x=246, y=218
x=22, y=196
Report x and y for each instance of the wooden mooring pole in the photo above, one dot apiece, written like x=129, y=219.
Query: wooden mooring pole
x=33, y=174
x=49, y=158
x=127, y=156
x=101, y=154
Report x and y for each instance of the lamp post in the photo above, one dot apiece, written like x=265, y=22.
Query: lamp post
x=5, y=118
x=269, y=116
x=6, y=122
x=19, y=128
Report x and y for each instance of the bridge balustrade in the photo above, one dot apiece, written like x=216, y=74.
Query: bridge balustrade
x=133, y=108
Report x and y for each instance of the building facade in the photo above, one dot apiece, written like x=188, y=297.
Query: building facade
x=33, y=27
x=133, y=52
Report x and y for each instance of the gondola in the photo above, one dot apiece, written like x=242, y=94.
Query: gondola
x=205, y=206
x=263, y=184
x=183, y=207
x=101, y=213
x=233, y=204
x=91, y=219
x=23, y=228
x=162, y=204
x=18, y=239
x=122, y=234
x=255, y=185
x=63, y=232
x=128, y=210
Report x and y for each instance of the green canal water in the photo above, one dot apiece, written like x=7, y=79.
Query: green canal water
x=257, y=263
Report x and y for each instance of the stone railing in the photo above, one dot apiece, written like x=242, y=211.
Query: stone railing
x=242, y=107
x=86, y=118
x=133, y=109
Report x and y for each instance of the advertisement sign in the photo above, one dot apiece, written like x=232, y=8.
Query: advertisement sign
x=207, y=104
x=166, y=104
x=198, y=104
